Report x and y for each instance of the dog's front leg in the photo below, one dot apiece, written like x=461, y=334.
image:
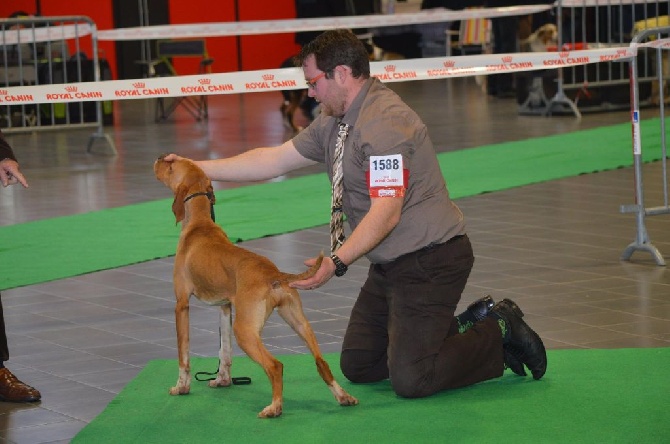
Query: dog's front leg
x=181, y=318
x=225, y=348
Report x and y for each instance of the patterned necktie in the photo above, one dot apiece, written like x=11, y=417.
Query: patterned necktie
x=337, y=217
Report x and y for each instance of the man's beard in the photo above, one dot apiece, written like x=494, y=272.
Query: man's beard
x=333, y=111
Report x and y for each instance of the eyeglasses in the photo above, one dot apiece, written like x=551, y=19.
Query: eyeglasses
x=312, y=82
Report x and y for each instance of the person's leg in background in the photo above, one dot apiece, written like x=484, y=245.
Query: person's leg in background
x=11, y=389
x=505, y=37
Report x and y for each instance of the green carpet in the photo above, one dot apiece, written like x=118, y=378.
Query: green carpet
x=587, y=396
x=67, y=246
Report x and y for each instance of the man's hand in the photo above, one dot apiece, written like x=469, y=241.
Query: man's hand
x=10, y=174
x=323, y=275
x=171, y=157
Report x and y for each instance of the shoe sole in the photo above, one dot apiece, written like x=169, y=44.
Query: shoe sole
x=5, y=399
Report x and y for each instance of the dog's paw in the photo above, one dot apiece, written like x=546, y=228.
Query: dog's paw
x=343, y=398
x=271, y=411
x=347, y=400
x=180, y=390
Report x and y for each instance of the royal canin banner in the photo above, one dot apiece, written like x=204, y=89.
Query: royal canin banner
x=258, y=27
x=293, y=78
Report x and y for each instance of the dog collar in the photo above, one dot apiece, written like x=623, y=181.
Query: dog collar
x=199, y=193
x=203, y=193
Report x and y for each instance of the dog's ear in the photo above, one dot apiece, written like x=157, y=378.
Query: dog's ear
x=178, y=204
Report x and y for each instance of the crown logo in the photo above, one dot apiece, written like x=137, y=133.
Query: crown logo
x=3, y=92
x=204, y=81
x=390, y=68
x=449, y=64
x=139, y=85
x=507, y=59
x=71, y=89
x=268, y=76
x=563, y=54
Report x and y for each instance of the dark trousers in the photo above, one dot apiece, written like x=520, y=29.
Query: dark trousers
x=4, y=349
x=504, y=42
x=402, y=326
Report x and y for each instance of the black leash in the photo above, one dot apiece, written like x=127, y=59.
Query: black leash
x=210, y=376
x=241, y=380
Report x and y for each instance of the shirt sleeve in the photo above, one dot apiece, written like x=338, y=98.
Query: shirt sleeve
x=311, y=141
x=391, y=131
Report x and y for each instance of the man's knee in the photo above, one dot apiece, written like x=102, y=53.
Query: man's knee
x=410, y=389
x=360, y=366
x=408, y=382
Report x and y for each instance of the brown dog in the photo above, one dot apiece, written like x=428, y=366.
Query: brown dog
x=210, y=267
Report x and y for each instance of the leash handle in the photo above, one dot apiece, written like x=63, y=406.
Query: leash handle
x=242, y=380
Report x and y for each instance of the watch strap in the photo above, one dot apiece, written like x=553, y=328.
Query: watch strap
x=340, y=267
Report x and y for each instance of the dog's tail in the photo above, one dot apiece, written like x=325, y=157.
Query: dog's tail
x=311, y=271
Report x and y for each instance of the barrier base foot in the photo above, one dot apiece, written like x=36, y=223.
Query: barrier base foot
x=560, y=100
x=637, y=246
x=536, y=103
x=101, y=136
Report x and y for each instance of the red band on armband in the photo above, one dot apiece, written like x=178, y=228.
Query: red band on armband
x=390, y=190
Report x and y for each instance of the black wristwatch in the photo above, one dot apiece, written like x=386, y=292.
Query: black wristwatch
x=340, y=267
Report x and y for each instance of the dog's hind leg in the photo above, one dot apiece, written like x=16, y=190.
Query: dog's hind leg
x=225, y=348
x=247, y=327
x=292, y=313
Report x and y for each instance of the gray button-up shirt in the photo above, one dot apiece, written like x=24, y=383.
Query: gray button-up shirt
x=382, y=124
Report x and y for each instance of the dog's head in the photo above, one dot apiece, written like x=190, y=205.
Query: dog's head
x=183, y=177
x=547, y=34
x=544, y=37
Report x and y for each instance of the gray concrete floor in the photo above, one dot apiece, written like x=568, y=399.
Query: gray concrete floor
x=553, y=247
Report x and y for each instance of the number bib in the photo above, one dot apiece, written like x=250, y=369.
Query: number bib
x=387, y=177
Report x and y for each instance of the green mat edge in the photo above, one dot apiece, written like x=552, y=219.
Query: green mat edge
x=63, y=258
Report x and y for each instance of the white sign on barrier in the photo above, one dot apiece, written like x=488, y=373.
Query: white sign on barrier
x=637, y=142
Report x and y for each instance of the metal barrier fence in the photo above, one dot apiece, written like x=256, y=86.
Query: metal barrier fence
x=589, y=24
x=52, y=50
x=642, y=241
